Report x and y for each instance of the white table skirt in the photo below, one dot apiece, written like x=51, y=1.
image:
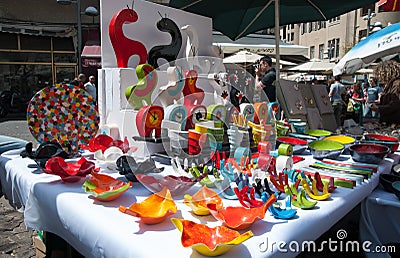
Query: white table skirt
x=379, y=222
x=98, y=229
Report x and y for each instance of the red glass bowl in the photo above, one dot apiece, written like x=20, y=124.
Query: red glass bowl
x=391, y=142
x=69, y=172
x=379, y=137
x=368, y=152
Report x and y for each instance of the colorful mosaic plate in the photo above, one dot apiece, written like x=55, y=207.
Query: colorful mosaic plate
x=66, y=114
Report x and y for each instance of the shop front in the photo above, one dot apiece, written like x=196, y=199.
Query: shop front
x=30, y=62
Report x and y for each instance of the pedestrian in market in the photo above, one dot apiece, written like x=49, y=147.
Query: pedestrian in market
x=388, y=72
x=374, y=93
x=79, y=81
x=90, y=87
x=335, y=94
x=265, y=78
x=357, y=98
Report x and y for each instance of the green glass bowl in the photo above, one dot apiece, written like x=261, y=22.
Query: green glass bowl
x=318, y=132
x=324, y=149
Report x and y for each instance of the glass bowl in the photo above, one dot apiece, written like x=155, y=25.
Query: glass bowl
x=368, y=152
x=324, y=149
x=105, y=188
x=153, y=210
x=209, y=241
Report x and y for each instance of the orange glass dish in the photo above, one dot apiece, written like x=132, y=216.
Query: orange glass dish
x=240, y=217
x=209, y=241
x=153, y=210
x=105, y=188
x=198, y=202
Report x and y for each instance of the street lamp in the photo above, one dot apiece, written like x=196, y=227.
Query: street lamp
x=90, y=11
x=368, y=18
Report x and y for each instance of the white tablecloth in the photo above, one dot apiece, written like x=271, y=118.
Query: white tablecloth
x=99, y=229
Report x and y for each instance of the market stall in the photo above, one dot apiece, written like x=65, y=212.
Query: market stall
x=165, y=96
x=99, y=229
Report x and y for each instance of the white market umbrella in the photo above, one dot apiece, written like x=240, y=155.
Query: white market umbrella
x=380, y=45
x=245, y=56
x=315, y=65
x=242, y=57
x=364, y=71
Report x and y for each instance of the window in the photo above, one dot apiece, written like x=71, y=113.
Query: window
x=284, y=32
x=312, y=52
x=29, y=42
x=309, y=26
x=9, y=41
x=334, y=19
x=337, y=47
x=63, y=44
x=303, y=28
x=292, y=26
x=321, y=51
x=331, y=48
x=27, y=79
x=292, y=36
x=323, y=24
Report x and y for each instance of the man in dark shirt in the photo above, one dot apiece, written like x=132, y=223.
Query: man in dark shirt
x=265, y=77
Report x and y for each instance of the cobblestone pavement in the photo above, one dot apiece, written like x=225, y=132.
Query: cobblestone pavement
x=15, y=240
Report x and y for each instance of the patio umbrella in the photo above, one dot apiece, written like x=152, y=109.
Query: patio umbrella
x=237, y=18
x=383, y=44
x=313, y=66
x=242, y=57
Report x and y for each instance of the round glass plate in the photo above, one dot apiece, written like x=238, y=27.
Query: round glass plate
x=66, y=114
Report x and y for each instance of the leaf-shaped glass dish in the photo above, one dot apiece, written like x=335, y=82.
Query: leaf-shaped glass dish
x=209, y=241
x=175, y=184
x=153, y=210
x=198, y=202
x=240, y=217
x=105, y=188
x=69, y=171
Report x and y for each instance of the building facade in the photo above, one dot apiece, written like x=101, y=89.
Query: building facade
x=330, y=40
x=38, y=43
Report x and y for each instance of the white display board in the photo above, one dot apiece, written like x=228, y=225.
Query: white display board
x=115, y=111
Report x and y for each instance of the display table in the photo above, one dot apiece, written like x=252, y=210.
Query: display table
x=98, y=229
x=379, y=222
